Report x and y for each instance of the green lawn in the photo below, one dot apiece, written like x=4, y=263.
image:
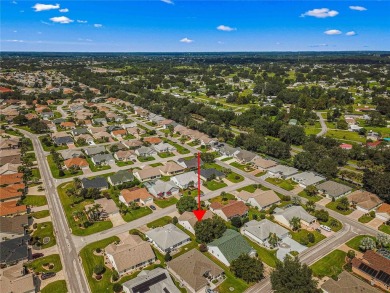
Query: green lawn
x=35, y=200
x=136, y=214
x=180, y=149
x=245, y=168
x=145, y=159
x=41, y=214
x=267, y=256
x=354, y=243
x=285, y=184
x=163, y=203
x=72, y=205
x=345, y=135
x=302, y=234
x=333, y=206
x=330, y=265
x=314, y=198
x=214, y=185
x=122, y=164
x=156, y=164
x=234, y=177
x=223, y=199
x=35, y=173
x=250, y=188
x=165, y=155
x=336, y=228
x=160, y=222
x=365, y=219
x=43, y=230
x=261, y=174
x=226, y=159
x=55, y=287
x=384, y=228
x=96, y=168
x=48, y=148
x=55, y=171
x=90, y=260
x=37, y=265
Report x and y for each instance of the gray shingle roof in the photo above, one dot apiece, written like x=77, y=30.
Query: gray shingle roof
x=167, y=236
x=296, y=211
x=333, y=189
x=263, y=228
x=14, y=249
x=121, y=177
x=97, y=182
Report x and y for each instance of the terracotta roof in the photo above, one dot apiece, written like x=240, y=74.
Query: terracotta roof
x=364, y=199
x=384, y=208
x=10, y=208
x=373, y=260
x=233, y=208
x=11, y=191
x=346, y=146
x=119, y=132
x=76, y=162
x=374, y=144
x=67, y=124
x=11, y=178
x=5, y=90
x=133, y=194
x=153, y=140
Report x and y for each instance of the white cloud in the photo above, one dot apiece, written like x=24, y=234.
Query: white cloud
x=15, y=41
x=168, y=1
x=220, y=42
x=15, y=31
x=318, y=45
x=81, y=21
x=14, y=2
x=320, y=13
x=225, y=28
x=358, y=8
x=186, y=40
x=43, y=7
x=98, y=25
x=85, y=40
x=61, y=19
x=351, y=33
x=64, y=10
x=332, y=32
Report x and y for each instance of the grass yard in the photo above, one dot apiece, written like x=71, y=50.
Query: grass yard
x=345, y=135
x=314, y=198
x=223, y=199
x=261, y=174
x=365, y=219
x=136, y=214
x=35, y=173
x=333, y=206
x=43, y=230
x=234, y=177
x=37, y=265
x=96, y=168
x=156, y=165
x=285, y=184
x=48, y=148
x=145, y=159
x=72, y=205
x=384, y=228
x=335, y=228
x=160, y=222
x=302, y=234
x=245, y=168
x=226, y=159
x=180, y=149
x=41, y=214
x=122, y=164
x=165, y=155
x=55, y=171
x=267, y=256
x=354, y=243
x=90, y=260
x=330, y=265
x=55, y=287
x=163, y=203
x=35, y=200
x=250, y=188
x=214, y=185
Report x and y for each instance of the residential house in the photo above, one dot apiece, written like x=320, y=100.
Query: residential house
x=103, y=159
x=68, y=154
x=148, y=173
x=9, y=143
x=245, y=157
x=120, y=177
x=14, y=227
x=11, y=208
x=229, y=247
x=364, y=201
x=14, y=250
x=9, y=179
x=281, y=171
x=347, y=283
x=167, y=238
x=118, y=134
x=108, y=206
x=10, y=156
x=164, y=147
x=135, y=131
x=285, y=216
x=195, y=271
x=125, y=156
x=346, y=146
x=373, y=267
x=104, y=135
x=210, y=174
x=132, y=143
x=188, y=220
x=262, y=199
x=68, y=125
x=12, y=192
x=78, y=163
x=102, y=121
x=97, y=182
x=185, y=180
x=94, y=130
x=135, y=194
x=91, y=151
x=259, y=231
x=226, y=150
x=171, y=168
x=156, y=281
x=306, y=179
x=14, y=279
x=162, y=189
x=153, y=140
x=87, y=137
x=131, y=253
x=332, y=189
x=383, y=212
x=9, y=169
x=191, y=164
x=263, y=164
x=63, y=140
x=233, y=209
x=145, y=152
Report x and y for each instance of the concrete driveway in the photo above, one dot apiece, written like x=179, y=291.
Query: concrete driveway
x=117, y=219
x=375, y=223
x=356, y=214
x=324, y=201
x=288, y=244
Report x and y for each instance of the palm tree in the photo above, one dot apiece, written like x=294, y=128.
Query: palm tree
x=273, y=239
x=310, y=206
x=295, y=223
x=296, y=200
x=77, y=182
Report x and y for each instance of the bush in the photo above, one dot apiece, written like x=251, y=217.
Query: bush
x=254, y=217
x=175, y=220
x=51, y=267
x=115, y=276
x=203, y=247
x=304, y=241
x=236, y=222
x=262, y=216
x=35, y=225
x=117, y=287
x=286, y=198
x=167, y=257
x=310, y=237
x=99, y=269
x=372, y=214
x=98, y=250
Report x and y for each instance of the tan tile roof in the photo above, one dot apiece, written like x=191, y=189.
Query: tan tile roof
x=133, y=194
x=191, y=218
x=10, y=208
x=170, y=167
x=80, y=162
x=153, y=140
x=264, y=164
x=364, y=199
x=233, y=208
x=148, y=172
x=347, y=283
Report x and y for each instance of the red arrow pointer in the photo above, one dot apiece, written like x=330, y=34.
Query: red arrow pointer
x=199, y=213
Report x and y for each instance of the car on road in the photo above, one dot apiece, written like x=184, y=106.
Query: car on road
x=47, y=275
x=37, y=255
x=152, y=208
x=326, y=228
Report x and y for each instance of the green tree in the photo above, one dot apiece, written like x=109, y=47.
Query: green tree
x=367, y=243
x=295, y=223
x=167, y=256
x=311, y=190
x=247, y=268
x=273, y=239
x=99, y=269
x=343, y=204
x=290, y=276
x=117, y=287
x=236, y=222
x=209, y=229
x=322, y=215
x=186, y=203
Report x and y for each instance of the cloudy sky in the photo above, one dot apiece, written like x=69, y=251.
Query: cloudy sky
x=180, y=26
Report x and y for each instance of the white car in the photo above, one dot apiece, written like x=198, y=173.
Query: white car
x=326, y=228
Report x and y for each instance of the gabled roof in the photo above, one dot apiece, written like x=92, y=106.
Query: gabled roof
x=102, y=158
x=308, y=178
x=121, y=177
x=296, y=211
x=264, y=163
x=186, y=178
x=364, y=199
x=232, y=209
x=263, y=228
x=192, y=219
x=97, y=182
x=11, y=178
x=14, y=249
x=208, y=173
x=232, y=244
x=135, y=193
x=347, y=283
x=333, y=189
x=170, y=167
x=246, y=155
x=189, y=164
x=16, y=225
x=148, y=173
x=76, y=162
x=10, y=208
x=167, y=236
x=94, y=150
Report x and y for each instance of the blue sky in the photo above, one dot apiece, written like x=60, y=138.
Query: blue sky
x=196, y=26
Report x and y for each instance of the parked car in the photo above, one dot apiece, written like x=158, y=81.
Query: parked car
x=152, y=208
x=326, y=228
x=37, y=255
x=47, y=275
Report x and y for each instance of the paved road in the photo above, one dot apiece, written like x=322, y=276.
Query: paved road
x=62, y=112
x=73, y=271
x=324, y=128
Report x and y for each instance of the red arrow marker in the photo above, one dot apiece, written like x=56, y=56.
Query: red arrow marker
x=199, y=213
